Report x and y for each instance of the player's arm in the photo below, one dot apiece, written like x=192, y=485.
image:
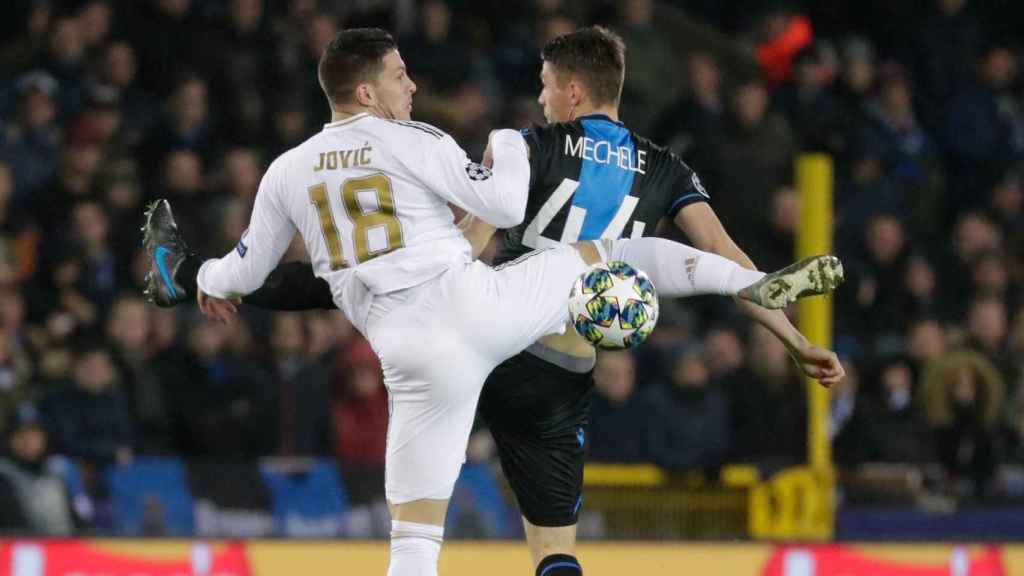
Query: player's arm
x=293, y=286
x=702, y=226
x=244, y=269
x=495, y=195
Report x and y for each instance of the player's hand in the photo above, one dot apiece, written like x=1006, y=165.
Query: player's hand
x=818, y=363
x=219, y=309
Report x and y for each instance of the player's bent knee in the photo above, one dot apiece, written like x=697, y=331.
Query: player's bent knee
x=559, y=565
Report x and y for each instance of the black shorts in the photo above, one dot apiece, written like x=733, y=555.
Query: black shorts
x=538, y=414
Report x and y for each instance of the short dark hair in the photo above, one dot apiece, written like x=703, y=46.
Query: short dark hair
x=352, y=56
x=596, y=54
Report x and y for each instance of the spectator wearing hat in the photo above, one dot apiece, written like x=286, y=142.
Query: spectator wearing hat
x=33, y=500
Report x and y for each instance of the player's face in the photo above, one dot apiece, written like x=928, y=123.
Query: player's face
x=554, y=97
x=393, y=89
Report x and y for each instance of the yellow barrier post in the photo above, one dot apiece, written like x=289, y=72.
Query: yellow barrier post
x=814, y=181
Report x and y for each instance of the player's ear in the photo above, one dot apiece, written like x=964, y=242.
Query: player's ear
x=575, y=92
x=365, y=95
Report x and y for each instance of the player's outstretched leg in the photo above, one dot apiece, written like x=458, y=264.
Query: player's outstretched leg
x=680, y=270
x=168, y=254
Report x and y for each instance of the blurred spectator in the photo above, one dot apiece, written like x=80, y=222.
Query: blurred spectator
x=759, y=142
x=896, y=430
x=290, y=125
x=303, y=400
x=18, y=240
x=15, y=370
x=30, y=142
x=688, y=423
x=909, y=155
x=984, y=129
x=20, y=51
x=75, y=181
x=225, y=401
x=807, y=98
x=33, y=500
x=138, y=109
x=863, y=192
x=770, y=397
x=926, y=342
x=963, y=396
x=853, y=90
x=144, y=384
x=360, y=414
x=243, y=54
x=782, y=34
x=973, y=235
x=724, y=353
x=99, y=276
x=943, y=51
x=987, y=321
x=777, y=245
x=876, y=304
x=618, y=418
x=652, y=69
x=94, y=19
x=65, y=60
x=991, y=277
x=185, y=124
x=241, y=173
x=690, y=121
x=88, y=416
x=164, y=32
x=1007, y=210
x=436, y=55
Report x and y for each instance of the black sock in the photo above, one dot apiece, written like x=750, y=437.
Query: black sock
x=187, y=273
x=559, y=565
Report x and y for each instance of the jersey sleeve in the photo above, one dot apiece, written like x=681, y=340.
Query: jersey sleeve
x=497, y=194
x=686, y=186
x=540, y=140
x=270, y=232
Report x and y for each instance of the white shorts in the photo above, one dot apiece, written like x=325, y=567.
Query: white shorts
x=437, y=343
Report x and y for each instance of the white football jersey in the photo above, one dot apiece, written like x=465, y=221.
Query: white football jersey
x=370, y=198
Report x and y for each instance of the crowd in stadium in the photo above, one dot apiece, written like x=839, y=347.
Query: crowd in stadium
x=108, y=104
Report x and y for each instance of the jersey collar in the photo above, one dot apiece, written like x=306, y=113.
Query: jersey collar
x=346, y=121
x=598, y=116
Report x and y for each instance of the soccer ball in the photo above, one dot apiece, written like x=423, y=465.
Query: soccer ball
x=613, y=306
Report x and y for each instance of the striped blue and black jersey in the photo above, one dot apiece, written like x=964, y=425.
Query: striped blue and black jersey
x=594, y=178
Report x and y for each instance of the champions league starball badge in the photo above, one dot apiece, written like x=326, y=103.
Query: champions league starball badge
x=477, y=172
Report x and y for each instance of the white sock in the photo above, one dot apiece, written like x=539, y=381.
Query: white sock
x=414, y=548
x=680, y=270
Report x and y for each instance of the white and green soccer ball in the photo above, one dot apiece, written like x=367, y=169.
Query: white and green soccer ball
x=613, y=306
